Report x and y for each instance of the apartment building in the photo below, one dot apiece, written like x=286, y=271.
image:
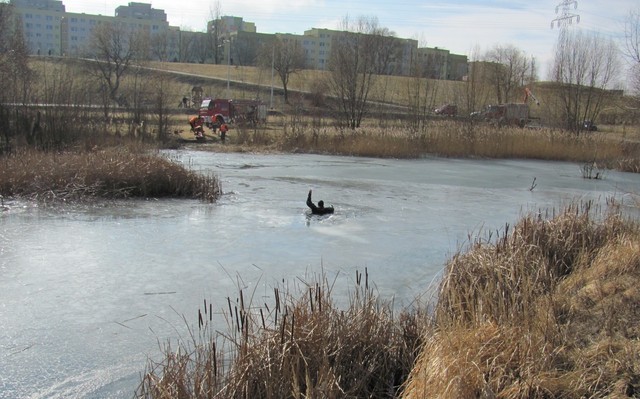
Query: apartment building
x=76, y=30
x=437, y=63
x=317, y=46
x=41, y=21
x=50, y=30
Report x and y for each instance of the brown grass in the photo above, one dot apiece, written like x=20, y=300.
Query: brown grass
x=438, y=138
x=549, y=310
x=391, y=89
x=111, y=173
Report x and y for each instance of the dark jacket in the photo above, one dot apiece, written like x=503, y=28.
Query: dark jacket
x=318, y=210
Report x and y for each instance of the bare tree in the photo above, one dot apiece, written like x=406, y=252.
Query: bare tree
x=115, y=48
x=509, y=69
x=287, y=57
x=249, y=52
x=476, y=91
x=162, y=100
x=355, y=61
x=631, y=48
x=215, y=30
x=159, y=44
x=5, y=21
x=15, y=78
x=421, y=91
x=200, y=48
x=186, y=45
x=584, y=66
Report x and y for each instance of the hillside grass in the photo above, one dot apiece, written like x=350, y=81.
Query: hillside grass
x=390, y=89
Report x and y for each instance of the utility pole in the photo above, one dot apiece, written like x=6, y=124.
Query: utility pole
x=566, y=18
x=228, y=65
x=273, y=61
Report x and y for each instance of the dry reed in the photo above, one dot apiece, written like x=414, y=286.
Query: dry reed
x=546, y=311
x=302, y=345
x=445, y=139
x=111, y=173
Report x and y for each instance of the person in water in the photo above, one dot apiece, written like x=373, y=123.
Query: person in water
x=320, y=209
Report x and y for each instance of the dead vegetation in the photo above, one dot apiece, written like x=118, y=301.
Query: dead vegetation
x=301, y=344
x=546, y=310
x=441, y=138
x=111, y=173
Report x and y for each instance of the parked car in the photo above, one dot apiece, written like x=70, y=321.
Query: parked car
x=589, y=126
x=447, y=110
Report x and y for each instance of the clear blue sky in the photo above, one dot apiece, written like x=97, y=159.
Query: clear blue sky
x=458, y=25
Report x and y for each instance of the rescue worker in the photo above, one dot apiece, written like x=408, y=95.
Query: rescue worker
x=223, y=131
x=320, y=209
x=196, y=123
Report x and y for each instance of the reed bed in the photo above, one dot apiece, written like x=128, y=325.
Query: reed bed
x=445, y=139
x=548, y=310
x=113, y=173
x=301, y=345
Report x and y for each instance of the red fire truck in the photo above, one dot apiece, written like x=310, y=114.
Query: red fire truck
x=217, y=111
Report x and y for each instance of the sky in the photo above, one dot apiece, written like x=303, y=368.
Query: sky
x=460, y=26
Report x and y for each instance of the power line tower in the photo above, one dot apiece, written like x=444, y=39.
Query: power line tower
x=566, y=18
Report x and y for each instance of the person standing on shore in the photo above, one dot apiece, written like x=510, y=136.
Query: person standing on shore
x=223, y=131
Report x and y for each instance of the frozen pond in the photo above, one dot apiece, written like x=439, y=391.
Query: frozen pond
x=87, y=292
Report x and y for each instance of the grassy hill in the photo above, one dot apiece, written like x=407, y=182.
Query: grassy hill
x=308, y=87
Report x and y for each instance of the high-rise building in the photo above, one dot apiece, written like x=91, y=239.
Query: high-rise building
x=41, y=20
x=50, y=30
